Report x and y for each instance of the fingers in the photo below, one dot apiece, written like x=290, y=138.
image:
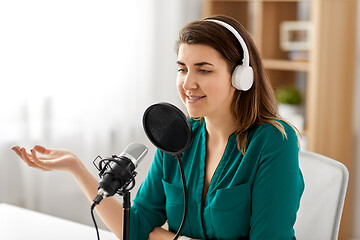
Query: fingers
x=38, y=162
x=25, y=157
x=16, y=149
x=42, y=150
x=29, y=159
x=24, y=154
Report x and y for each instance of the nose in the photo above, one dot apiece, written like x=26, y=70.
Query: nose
x=189, y=82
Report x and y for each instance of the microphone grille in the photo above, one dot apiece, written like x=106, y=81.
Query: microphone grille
x=135, y=152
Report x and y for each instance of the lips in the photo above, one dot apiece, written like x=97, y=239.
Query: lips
x=194, y=98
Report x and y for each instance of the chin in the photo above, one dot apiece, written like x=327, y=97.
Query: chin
x=195, y=118
x=195, y=115
x=194, y=112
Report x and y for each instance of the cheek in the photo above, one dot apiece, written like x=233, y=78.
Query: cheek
x=179, y=85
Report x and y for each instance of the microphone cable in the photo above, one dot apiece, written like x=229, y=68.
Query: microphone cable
x=96, y=201
x=94, y=221
x=181, y=168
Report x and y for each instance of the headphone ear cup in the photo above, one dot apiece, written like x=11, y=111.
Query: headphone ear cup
x=242, y=77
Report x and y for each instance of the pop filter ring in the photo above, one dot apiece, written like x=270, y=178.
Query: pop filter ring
x=177, y=154
x=181, y=116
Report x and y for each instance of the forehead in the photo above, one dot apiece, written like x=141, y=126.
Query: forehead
x=192, y=53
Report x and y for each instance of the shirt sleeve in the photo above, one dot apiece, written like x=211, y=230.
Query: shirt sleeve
x=148, y=209
x=277, y=187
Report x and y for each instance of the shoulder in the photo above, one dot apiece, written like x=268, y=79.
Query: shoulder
x=277, y=129
x=269, y=147
x=272, y=135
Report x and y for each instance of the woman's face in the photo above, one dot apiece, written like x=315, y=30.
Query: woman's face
x=204, y=81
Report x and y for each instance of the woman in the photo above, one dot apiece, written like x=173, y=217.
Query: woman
x=242, y=168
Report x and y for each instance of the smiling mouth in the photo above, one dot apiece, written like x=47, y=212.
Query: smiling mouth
x=195, y=98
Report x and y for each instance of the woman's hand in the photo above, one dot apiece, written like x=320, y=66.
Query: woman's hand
x=51, y=159
x=161, y=234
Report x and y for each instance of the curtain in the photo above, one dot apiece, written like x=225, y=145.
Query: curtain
x=78, y=75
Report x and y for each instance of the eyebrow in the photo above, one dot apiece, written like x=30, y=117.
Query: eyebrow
x=196, y=64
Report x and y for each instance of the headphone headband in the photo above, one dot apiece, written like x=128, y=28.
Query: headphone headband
x=246, y=59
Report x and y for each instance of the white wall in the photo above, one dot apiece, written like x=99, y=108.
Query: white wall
x=78, y=74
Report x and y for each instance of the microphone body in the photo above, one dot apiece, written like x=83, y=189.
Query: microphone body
x=119, y=171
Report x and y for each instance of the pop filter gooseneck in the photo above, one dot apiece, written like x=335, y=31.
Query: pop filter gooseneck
x=169, y=130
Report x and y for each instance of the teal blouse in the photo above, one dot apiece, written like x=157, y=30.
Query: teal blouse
x=251, y=196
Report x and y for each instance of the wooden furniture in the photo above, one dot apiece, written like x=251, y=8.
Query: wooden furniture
x=329, y=71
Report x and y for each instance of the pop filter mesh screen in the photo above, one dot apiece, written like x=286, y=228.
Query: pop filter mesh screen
x=167, y=128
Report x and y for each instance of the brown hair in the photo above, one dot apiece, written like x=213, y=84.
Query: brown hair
x=257, y=105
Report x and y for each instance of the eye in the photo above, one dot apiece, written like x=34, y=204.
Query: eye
x=203, y=71
x=181, y=70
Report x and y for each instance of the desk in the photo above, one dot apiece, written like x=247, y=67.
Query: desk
x=18, y=224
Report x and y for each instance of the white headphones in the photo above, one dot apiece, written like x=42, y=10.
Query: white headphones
x=243, y=76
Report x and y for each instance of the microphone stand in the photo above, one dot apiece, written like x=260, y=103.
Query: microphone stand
x=125, y=193
x=126, y=214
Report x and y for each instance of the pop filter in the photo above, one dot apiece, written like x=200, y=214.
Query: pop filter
x=167, y=128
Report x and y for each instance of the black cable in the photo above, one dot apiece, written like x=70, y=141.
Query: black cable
x=185, y=197
x=93, y=218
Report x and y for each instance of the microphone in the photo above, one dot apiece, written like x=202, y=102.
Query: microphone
x=118, y=172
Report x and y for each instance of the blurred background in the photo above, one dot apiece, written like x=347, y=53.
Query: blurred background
x=79, y=75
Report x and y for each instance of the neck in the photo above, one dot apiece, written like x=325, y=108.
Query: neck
x=220, y=128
